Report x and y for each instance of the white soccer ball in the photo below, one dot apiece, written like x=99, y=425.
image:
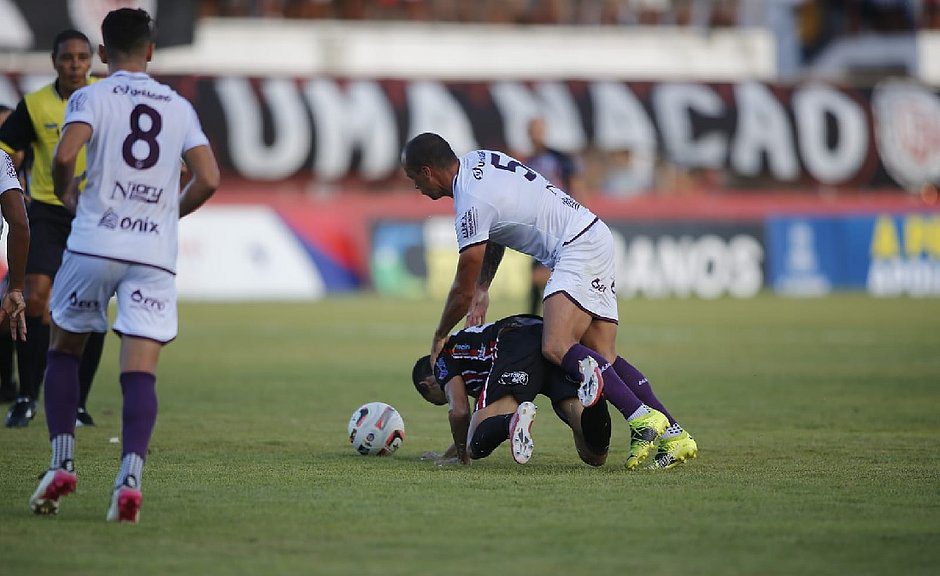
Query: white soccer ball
x=376, y=429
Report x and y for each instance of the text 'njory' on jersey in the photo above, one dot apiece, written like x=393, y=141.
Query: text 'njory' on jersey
x=498, y=198
x=130, y=207
x=8, y=179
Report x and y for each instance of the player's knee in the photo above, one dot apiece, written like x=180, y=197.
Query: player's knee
x=554, y=351
x=593, y=459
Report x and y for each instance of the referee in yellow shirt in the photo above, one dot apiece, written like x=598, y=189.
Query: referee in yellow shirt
x=34, y=127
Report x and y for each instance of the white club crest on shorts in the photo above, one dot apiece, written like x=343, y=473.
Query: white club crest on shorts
x=514, y=378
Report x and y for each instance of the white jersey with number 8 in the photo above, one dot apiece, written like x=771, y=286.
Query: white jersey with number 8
x=129, y=209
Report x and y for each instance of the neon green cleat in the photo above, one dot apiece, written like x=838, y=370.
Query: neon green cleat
x=674, y=450
x=644, y=432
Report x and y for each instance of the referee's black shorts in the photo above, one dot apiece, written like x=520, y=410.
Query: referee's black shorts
x=49, y=227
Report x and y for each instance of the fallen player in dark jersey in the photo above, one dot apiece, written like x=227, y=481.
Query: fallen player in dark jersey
x=502, y=367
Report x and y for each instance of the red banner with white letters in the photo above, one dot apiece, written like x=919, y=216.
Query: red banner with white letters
x=326, y=131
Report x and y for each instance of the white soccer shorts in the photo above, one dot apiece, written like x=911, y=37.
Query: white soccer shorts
x=585, y=271
x=146, y=297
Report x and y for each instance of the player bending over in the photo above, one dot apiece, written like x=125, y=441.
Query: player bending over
x=500, y=203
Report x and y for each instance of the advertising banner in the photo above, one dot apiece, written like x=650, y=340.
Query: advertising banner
x=886, y=255
x=654, y=260
x=243, y=253
x=419, y=259
x=704, y=259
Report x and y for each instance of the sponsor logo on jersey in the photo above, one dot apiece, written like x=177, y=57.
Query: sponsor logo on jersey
x=113, y=221
x=148, y=302
x=11, y=171
x=514, y=378
x=110, y=220
x=468, y=223
x=440, y=370
x=74, y=302
x=137, y=191
x=570, y=202
x=598, y=286
x=125, y=90
x=478, y=169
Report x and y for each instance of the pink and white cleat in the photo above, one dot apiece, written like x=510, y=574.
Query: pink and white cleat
x=520, y=432
x=53, y=485
x=125, y=502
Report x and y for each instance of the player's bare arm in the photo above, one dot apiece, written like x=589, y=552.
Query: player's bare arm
x=458, y=414
x=74, y=136
x=13, y=305
x=481, y=296
x=205, y=181
x=460, y=295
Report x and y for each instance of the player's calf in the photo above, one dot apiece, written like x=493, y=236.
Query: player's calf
x=488, y=435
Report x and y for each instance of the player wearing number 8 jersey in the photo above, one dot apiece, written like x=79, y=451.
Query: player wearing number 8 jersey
x=500, y=202
x=123, y=242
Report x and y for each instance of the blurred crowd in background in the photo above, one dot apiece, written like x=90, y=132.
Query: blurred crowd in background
x=831, y=16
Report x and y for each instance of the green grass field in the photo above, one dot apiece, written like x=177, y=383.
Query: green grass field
x=817, y=422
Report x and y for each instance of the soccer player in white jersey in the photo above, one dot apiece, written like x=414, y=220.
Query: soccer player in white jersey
x=124, y=242
x=14, y=212
x=499, y=203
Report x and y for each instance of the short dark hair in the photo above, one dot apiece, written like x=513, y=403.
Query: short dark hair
x=127, y=30
x=428, y=149
x=421, y=370
x=68, y=34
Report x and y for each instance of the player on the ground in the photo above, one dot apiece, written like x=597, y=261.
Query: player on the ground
x=501, y=203
x=34, y=127
x=501, y=365
x=123, y=242
x=13, y=208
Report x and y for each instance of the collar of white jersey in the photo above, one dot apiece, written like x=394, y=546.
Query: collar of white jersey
x=132, y=75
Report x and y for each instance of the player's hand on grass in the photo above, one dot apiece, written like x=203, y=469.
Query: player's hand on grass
x=447, y=462
x=476, y=315
x=14, y=308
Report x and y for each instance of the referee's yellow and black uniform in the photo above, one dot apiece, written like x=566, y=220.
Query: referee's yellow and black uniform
x=34, y=127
